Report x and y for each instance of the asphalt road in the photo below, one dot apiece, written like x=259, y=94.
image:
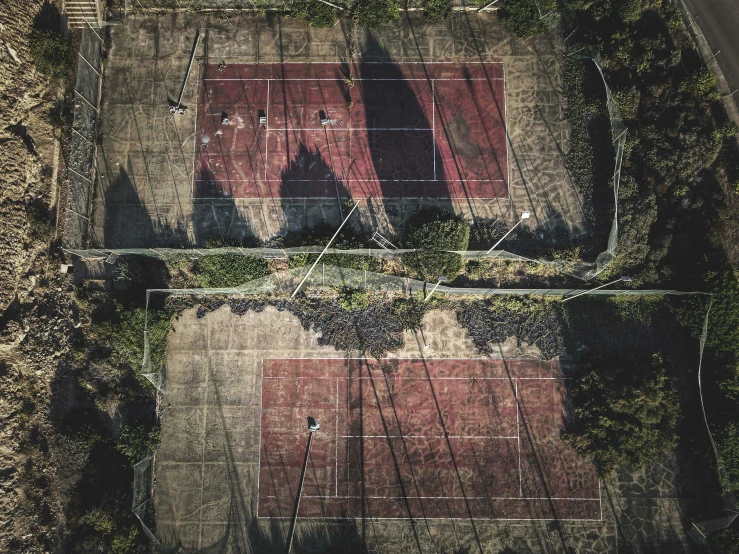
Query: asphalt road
x=719, y=22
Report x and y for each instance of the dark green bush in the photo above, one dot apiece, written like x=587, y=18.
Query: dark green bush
x=436, y=229
x=433, y=232
x=725, y=541
x=429, y=266
x=314, y=12
x=51, y=53
x=437, y=10
x=376, y=13
x=229, y=270
x=353, y=300
x=138, y=440
x=528, y=18
x=625, y=411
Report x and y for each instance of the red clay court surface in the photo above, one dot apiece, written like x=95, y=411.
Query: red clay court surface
x=433, y=439
x=415, y=130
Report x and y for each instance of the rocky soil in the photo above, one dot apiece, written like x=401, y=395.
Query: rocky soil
x=36, y=317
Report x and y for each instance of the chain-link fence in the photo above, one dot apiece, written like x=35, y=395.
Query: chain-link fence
x=324, y=277
x=81, y=162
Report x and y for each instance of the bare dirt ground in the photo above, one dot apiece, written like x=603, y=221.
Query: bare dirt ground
x=34, y=303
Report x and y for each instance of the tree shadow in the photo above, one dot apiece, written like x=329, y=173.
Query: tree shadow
x=48, y=18
x=310, y=175
x=135, y=222
x=400, y=139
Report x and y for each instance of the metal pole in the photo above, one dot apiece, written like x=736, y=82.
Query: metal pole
x=189, y=67
x=432, y=291
x=591, y=290
x=486, y=6
x=293, y=522
x=297, y=289
x=504, y=236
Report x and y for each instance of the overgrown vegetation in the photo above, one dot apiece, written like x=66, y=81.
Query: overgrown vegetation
x=229, y=270
x=528, y=18
x=314, y=12
x=437, y=10
x=625, y=411
x=51, y=53
x=432, y=232
x=376, y=13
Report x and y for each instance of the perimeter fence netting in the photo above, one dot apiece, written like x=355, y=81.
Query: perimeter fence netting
x=81, y=160
x=323, y=280
x=578, y=269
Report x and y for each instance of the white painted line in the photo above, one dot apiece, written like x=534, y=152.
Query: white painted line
x=454, y=497
x=351, y=181
x=424, y=437
x=433, y=121
x=336, y=439
x=338, y=80
x=518, y=433
x=337, y=128
x=266, y=135
x=426, y=378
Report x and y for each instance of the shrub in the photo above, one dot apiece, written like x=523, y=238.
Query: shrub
x=486, y=232
x=376, y=13
x=229, y=270
x=353, y=300
x=432, y=265
x=625, y=412
x=315, y=13
x=127, y=334
x=728, y=446
x=436, y=229
x=138, y=440
x=51, y=53
x=437, y=10
x=725, y=541
x=528, y=18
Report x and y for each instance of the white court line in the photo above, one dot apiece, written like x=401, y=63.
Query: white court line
x=354, y=181
x=433, y=121
x=426, y=378
x=266, y=134
x=394, y=64
x=518, y=433
x=347, y=129
x=259, y=442
x=454, y=497
x=336, y=456
x=423, y=437
x=437, y=518
x=338, y=80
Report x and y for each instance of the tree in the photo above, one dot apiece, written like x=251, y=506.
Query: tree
x=433, y=233
x=376, y=13
x=625, y=412
x=528, y=18
x=229, y=270
x=316, y=13
x=437, y=10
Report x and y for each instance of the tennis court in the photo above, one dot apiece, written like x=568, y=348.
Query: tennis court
x=370, y=130
x=426, y=439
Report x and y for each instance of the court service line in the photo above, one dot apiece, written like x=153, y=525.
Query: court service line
x=266, y=136
x=336, y=455
x=354, y=181
x=437, y=518
x=347, y=129
x=454, y=497
x=433, y=121
x=340, y=80
x=471, y=378
x=518, y=433
x=482, y=437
